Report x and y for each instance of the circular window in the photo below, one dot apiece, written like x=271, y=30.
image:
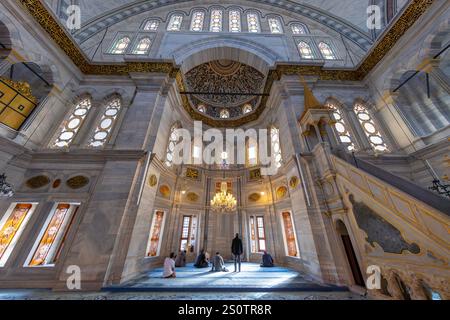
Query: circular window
x=73, y=123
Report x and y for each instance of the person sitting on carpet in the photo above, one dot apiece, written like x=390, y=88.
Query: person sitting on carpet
x=169, y=267
x=202, y=261
x=180, y=261
x=218, y=264
x=267, y=260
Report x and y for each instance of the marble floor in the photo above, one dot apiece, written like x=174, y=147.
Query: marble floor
x=253, y=283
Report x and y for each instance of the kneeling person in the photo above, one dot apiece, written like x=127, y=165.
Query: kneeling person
x=218, y=263
x=267, y=260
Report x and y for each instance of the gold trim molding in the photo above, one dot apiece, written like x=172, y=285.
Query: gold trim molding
x=412, y=13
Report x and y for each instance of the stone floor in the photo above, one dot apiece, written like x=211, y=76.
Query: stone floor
x=253, y=283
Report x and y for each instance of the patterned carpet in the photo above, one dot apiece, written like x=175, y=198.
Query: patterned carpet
x=253, y=283
x=253, y=278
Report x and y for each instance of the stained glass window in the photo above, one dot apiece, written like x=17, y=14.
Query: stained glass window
x=305, y=50
x=253, y=22
x=52, y=240
x=173, y=139
x=224, y=114
x=261, y=233
x=216, y=21
x=275, y=25
x=276, y=149
x=151, y=25
x=106, y=123
x=188, y=233
x=257, y=234
x=143, y=46
x=253, y=234
x=175, y=22
x=289, y=234
x=235, y=21
x=372, y=133
x=73, y=124
x=298, y=28
x=247, y=109
x=155, y=234
x=327, y=52
x=12, y=225
x=121, y=45
x=197, y=21
x=341, y=127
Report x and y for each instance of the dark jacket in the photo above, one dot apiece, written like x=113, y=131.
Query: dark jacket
x=236, y=246
x=267, y=260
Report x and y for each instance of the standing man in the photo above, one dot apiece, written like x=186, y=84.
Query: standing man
x=237, y=250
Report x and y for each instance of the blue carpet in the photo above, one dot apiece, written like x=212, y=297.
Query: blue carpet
x=253, y=278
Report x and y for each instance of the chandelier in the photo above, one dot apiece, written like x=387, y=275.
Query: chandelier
x=223, y=201
x=6, y=190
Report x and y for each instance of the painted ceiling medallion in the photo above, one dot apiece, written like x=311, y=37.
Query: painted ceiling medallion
x=165, y=191
x=282, y=192
x=77, y=182
x=192, y=197
x=37, y=182
x=254, y=197
x=293, y=182
x=153, y=180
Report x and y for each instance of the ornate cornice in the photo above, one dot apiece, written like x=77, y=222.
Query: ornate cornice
x=412, y=13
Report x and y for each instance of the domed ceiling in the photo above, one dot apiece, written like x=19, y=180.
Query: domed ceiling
x=224, y=89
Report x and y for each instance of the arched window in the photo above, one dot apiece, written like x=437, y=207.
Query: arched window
x=305, y=50
x=253, y=22
x=372, y=133
x=143, y=46
x=298, y=28
x=121, y=45
x=73, y=124
x=276, y=149
x=198, y=18
x=106, y=123
x=341, y=127
x=151, y=25
x=247, y=108
x=216, y=21
x=224, y=114
x=173, y=139
x=252, y=152
x=327, y=52
x=175, y=22
x=235, y=21
x=275, y=25
x=201, y=108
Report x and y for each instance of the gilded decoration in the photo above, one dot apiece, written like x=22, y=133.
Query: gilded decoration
x=37, y=182
x=153, y=180
x=293, y=182
x=192, y=197
x=165, y=191
x=16, y=102
x=255, y=174
x=254, y=197
x=192, y=173
x=281, y=192
x=77, y=182
x=224, y=76
x=415, y=9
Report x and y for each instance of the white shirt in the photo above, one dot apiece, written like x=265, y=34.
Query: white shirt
x=169, y=267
